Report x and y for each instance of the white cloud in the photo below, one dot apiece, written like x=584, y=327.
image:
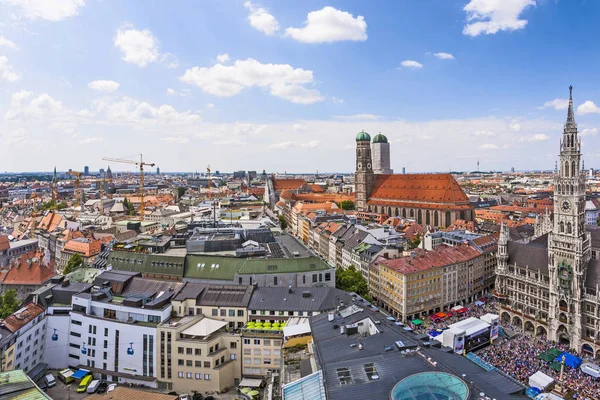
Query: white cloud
x=311, y=144
x=51, y=10
x=281, y=79
x=488, y=146
x=539, y=137
x=210, y=106
x=261, y=19
x=283, y=145
x=104, y=86
x=39, y=107
x=411, y=64
x=589, y=132
x=589, y=107
x=222, y=58
x=91, y=140
x=6, y=71
x=229, y=142
x=293, y=144
x=557, y=104
x=330, y=25
x=358, y=117
x=484, y=133
x=515, y=127
x=444, y=56
x=336, y=100
x=492, y=16
x=139, y=47
x=15, y=138
x=175, y=139
x=4, y=42
x=182, y=93
x=130, y=111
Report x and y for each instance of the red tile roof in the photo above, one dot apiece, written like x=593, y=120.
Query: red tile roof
x=426, y=260
x=4, y=243
x=22, y=317
x=288, y=184
x=88, y=248
x=416, y=189
x=50, y=222
x=29, y=269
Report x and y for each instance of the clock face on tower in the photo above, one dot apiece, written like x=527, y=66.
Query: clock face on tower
x=565, y=206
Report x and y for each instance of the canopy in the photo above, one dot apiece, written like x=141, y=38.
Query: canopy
x=245, y=390
x=591, y=369
x=554, y=352
x=417, y=322
x=570, y=360
x=555, y=366
x=546, y=357
x=462, y=310
x=434, y=333
x=80, y=373
x=540, y=380
x=253, y=383
x=441, y=314
x=434, y=317
x=253, y=393
x=532, y=392
x=479, y=303
x=456, y=308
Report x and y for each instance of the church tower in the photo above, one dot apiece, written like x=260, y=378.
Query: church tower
x=569, y=250
x=364, y=179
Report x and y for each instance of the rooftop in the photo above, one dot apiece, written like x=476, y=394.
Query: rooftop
x=22, y=317
x=305, y=299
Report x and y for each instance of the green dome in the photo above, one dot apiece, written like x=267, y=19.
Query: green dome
x=362, y=135
x=380, y=139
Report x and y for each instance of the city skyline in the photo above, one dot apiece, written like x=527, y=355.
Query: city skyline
x=260, y=85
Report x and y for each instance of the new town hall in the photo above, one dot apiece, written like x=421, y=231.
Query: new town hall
x=550, y=285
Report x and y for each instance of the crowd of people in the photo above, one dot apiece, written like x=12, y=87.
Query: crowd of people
x=519, y=356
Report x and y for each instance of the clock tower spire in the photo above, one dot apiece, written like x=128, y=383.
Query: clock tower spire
x=569, y=248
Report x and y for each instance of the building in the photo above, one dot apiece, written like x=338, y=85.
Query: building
x=88, y=249
x=592, y=211
x=9, y=250
x=550, y=285
x=380, y=150
x=430, y=199
x=17, y=385
x=113, y=328
x=157, y=170
x=27, y=273
x=86, y=170
x=197, y=353
x=28, y=324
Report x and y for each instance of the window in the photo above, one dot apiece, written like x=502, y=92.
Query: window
x=198, y=364
x=106, y=344
x=327, y=276
x=246, y=341
x=207, y=377
x=223, y=312
x=247, y=361
x=233, y=345
x=155, y=319
x=343, y=375
x=233, y=356
x=232, y=313
x=189, y=375
x=206, y=364
x=215, y=312
x=75, y=322
x=180, y=374
x=274, y=281
x=180, y=350
x=240, y=313
x=180, y=362
x=257, y=341
x=198, y=376
x=189, y=351
x=105, y=331
x=191, y=311
x=371, y=371
x=197, y=352
x=267, y=361
x=267, y=342
x=257, y=352
x=188, y=363
x=92, y=329
x=198, y=311
x=256, y=361
x=314, y=278
x=75, y=334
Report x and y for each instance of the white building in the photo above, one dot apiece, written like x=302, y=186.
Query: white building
x=29, y=324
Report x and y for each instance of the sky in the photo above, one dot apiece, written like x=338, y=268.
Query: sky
x=286, y=85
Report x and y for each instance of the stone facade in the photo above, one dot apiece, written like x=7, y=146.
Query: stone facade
x=550, y=285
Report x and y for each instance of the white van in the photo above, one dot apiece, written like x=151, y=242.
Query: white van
x=50, y=380
x=93, y=386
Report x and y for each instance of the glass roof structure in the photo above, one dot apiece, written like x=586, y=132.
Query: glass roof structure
x=430, y=386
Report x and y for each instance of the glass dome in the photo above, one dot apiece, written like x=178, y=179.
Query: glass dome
x=430, y=386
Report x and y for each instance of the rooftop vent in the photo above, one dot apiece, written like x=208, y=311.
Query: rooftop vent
x=306, y=293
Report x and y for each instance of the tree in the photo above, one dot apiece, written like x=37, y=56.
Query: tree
x=76, y=261
x=129, y=208
x=347, y=205
x=351, y=280
x=282, y=222
x=415, y=242
x=180, y=192
x=9, y=303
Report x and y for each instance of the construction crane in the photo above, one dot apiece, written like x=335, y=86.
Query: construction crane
x=77, y=176
x=141, y=164
x=33, y=215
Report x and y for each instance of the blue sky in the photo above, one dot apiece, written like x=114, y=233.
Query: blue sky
x=285, y=86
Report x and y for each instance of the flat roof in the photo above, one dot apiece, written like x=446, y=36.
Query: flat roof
x=204, y=327
x=470, y=325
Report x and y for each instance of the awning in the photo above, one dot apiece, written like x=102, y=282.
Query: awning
x=416, y=322
x=479, y=303
x=546, y=357
x=462, y=310
x=80, y=373
x=554, y=352
x=456, y=308
x=441, y=314
x=253, y=383
x=434, y=317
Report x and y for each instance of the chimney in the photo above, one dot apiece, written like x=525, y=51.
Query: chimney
x=290, y=289
x=65, y=283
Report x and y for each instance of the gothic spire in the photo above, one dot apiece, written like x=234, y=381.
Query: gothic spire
x=570, y=114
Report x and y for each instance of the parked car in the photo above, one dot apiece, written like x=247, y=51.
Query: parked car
x=93, y=386
x=49, y=380
x=102, y=387
x=184, y=396
x=111, y=387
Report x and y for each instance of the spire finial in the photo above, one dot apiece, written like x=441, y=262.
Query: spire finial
x=570, y=92
x=570, y=114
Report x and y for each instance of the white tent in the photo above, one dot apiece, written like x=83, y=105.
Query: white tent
x=591, y=369
x=540, y=380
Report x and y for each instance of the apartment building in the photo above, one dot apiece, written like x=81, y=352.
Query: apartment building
x=262, y=352
x=197, y=353
x=28, y=324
